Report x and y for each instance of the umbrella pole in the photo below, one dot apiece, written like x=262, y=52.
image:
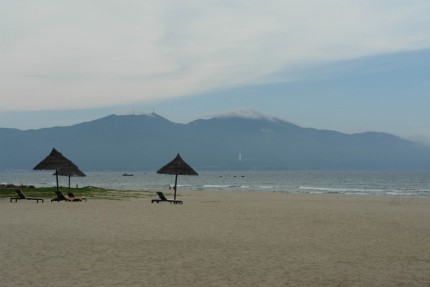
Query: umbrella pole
x=56, y=177
x=69, y=182
x=176, y=183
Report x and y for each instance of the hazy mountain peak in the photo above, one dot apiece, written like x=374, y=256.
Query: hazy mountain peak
x=149, y=115
x=248, y=113
x=144, y=142
x=152, y=116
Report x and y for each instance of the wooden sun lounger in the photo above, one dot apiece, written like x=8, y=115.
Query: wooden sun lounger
x=72, y=196
x=163, y=198
x=21, y=195
x=62, y=197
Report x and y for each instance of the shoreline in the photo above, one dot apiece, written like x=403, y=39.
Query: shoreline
x=218, y=238
x=315, y=182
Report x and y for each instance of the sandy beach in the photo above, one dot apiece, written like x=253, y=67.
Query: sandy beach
x=218, y=239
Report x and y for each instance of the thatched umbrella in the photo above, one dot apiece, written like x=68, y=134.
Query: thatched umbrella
x=177, y=167
x=71, y=170
x=54, y=161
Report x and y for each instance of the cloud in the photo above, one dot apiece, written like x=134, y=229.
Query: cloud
x=247, y=113
x=81, y=54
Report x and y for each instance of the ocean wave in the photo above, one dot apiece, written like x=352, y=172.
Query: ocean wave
x=267, y=186
x=362, y=191
x=340, y=190
x=217, y=186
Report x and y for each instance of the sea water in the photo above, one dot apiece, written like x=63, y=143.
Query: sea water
x=411, y=183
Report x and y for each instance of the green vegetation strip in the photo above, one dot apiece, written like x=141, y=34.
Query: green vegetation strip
x=90, y=192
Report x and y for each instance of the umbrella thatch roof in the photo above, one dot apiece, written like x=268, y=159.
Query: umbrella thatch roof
x=70, y=170
x=55, y=160
x=178, y=167
x=62, y=166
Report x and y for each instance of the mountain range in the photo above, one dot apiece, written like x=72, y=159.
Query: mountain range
x=231, y=142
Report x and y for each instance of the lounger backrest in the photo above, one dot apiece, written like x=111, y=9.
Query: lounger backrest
x=70, y=194
x=60, y=195
x=161, y=195
x=20, y=193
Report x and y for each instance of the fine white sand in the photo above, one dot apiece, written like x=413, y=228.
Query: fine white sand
x=218, y=239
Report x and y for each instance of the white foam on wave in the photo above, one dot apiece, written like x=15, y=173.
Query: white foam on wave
x=217, y=186
x=267, y=186
x=341, y=190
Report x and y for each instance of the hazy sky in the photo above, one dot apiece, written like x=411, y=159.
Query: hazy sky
x=347, y=65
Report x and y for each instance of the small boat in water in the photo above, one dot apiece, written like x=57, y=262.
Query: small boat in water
x=127, y=174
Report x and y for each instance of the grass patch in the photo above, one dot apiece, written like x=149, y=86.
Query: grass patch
x=90, y=192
